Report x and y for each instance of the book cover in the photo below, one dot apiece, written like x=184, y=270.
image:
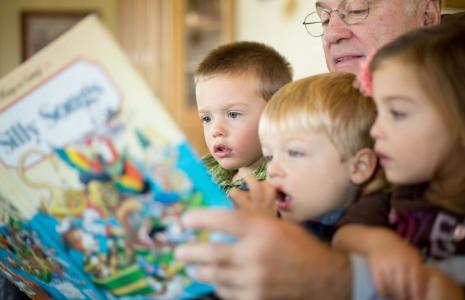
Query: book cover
x=94, y=177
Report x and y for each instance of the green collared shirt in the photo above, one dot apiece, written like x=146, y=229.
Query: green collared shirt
x=225, y=177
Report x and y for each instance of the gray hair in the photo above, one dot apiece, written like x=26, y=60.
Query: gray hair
x=412, y=5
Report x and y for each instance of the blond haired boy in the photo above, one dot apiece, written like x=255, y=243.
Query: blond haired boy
x=315, y=136
x=233, y=84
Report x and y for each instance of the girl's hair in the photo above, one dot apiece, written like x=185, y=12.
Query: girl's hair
x=270, y=68
x=437, y=55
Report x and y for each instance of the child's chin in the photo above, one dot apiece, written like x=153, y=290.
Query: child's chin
x=228, y=165
x=285, y=215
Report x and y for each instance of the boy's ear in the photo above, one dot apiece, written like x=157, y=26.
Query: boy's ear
x=363, y=165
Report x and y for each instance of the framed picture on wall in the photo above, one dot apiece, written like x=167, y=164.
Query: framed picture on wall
x=38, y=28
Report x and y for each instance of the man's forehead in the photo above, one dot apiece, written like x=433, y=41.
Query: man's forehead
x=335, y=3
x=327, y=3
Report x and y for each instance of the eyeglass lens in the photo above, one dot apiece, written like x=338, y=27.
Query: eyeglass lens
x=350, y=12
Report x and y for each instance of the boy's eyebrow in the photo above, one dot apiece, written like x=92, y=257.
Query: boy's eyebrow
x=294, y=140
x=235, y=104
x=225, y=107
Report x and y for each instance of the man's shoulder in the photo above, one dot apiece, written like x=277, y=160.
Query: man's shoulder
x=455, y=17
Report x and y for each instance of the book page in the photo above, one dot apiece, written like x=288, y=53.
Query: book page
x=89, y=155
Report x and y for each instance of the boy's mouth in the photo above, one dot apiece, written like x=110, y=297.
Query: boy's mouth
x=221, y=151
x=283, y=200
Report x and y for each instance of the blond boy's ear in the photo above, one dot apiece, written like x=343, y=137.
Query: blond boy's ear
x=363, y=165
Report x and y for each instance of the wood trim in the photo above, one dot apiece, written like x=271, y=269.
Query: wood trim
x=454, y=4
x=229, y=10
x=152, y=33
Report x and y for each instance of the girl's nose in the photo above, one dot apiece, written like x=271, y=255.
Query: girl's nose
x=375, y=130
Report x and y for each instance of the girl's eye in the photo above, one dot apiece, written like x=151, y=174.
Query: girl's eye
x=294, y=153
x=234, y=114
x=398, y=115
x=205, y=119
x=268, y=158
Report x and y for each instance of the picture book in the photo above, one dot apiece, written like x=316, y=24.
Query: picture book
x=95, y=177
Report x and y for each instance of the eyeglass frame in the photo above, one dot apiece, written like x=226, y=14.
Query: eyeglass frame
x=330, y=12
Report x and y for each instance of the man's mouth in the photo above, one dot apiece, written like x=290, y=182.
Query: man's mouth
x=221, y=151
x=283, y=200
x=347, y=58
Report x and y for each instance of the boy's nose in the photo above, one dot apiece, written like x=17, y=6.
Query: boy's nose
x=217, y=130
x=273, y=170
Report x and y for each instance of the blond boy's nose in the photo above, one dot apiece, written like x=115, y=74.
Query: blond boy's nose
x=273, y=169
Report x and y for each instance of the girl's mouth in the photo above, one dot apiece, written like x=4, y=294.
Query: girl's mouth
x=383, y=158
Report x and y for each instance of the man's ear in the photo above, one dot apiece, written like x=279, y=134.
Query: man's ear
x=363, y=165
x=432, y=14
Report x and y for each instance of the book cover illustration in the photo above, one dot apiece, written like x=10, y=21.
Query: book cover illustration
x=96, y=177
x=34, y=267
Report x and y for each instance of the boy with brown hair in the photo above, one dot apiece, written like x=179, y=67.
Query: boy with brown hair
x=233, y=84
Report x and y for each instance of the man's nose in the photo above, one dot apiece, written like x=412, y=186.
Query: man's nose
x=336, y=30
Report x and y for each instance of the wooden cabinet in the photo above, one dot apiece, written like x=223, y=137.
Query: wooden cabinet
x=457, y=4
x=166, y=40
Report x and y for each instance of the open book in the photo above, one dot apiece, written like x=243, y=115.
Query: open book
x=94, y=176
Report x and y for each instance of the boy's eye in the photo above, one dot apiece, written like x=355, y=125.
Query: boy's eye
x=205, y=119
x=234, y=114
x=268, y=158
x=295, y=153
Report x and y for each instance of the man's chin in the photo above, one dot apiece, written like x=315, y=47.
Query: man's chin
x=348, y=65
x=353, y=68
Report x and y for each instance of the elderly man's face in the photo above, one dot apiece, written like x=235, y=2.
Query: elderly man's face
x=346, y=46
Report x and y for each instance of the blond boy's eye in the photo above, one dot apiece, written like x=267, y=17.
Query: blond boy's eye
x=234, y=114
x=294, y=153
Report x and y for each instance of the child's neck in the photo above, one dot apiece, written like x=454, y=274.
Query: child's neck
x=244, y=172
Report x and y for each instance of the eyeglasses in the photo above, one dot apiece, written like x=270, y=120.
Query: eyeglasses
x=349, y=11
